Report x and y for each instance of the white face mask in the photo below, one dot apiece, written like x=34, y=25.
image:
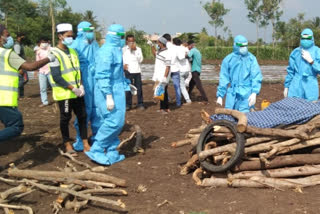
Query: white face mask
x=44, y=45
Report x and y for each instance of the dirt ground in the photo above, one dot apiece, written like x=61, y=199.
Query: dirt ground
x=157, y=169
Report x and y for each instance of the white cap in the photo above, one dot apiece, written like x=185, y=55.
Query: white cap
x=64, y=27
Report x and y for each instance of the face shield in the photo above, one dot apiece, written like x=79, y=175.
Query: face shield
x=120, y=35
x=306, y=41
x=243, y=47
x=88, y=32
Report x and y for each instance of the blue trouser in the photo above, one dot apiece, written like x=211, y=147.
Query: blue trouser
x=12, y=120
x=237, y=102
x=175, y=76
x=43, y=83
x=104, y=149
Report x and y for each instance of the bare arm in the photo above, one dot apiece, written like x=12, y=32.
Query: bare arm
x=154, y=51
x=31, y=66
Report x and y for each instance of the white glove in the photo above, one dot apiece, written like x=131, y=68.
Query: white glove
x=51, y=57
x=285, y=92
x=110, y=102
x=133, y=89
x=77, y=91
x=219, y=101
x=164, y=80
x=306, y=56
x=252, y=99
x=149, y=42
x=82, y=91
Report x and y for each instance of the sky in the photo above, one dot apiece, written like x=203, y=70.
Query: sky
x=173, y=16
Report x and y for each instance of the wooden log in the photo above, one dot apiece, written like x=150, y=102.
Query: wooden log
x=192, y=136
x=192, y=163
x=196, y=176
x=84, y=175
x=189, y=141
x=305, y=144
x=279, y=161
x=225, y=182
x=105, y=191
x=76, y=194
x=75, y=205
x=269, y=146
x=232, y=147
x=205, y=116
x=197, y=130
x=256, y=140
x=242, y=118
x=28, y=209
x=277, y=132
x=19, y=189
x=74, y=159
x=281, y=172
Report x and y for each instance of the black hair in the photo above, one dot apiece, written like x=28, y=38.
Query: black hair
x=20, y=34
x=129, y=36
x=46, y=39
x=167, y=37
x=177, y=41
x=190, y=42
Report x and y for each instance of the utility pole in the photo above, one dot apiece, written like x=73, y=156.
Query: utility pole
x=52, y=23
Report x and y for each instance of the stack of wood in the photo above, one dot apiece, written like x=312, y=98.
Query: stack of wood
x=75, y=189
x=280, y=158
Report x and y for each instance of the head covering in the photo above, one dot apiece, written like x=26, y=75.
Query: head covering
x=112, y=37
x=81, y=26
x=307, y=39
x=238, y=42
x=2, y=28
x=64, y=27
x=162, y=40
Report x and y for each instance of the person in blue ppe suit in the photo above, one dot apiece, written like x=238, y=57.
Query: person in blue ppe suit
x=304, y=66
x=86, y=47
x=240, y=77
x=109, y=96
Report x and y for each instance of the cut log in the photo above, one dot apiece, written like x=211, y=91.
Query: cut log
x=280, y=161
x=190, y=141
x=84, y=175
x=225, y=182
x=197, y=130
x=76, y=194
x=196, y=176
x=75, y=205
x=277, y=132
x=191, y=164
x=256, y=140
x=17, y=207
x=205, y=116
x=305, y=144
x=105, y=191
x=19, y=189
x=281, y=172
x=242, y=118
x=74, y=159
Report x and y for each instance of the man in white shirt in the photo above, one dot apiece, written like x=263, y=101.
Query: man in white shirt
x=184, y=67
x=162, y=70
x=175, y=68
x=132, y=58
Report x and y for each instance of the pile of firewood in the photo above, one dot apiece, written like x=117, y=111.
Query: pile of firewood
x=280, y=158
x=75, y=189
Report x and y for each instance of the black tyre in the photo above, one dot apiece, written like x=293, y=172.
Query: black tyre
x=207, y=134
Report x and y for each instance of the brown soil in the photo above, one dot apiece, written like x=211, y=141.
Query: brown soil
x=157, y=168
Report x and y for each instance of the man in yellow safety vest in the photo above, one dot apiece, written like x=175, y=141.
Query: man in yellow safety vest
x=10, y=64
x=66, y=85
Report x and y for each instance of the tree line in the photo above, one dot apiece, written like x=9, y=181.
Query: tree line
x=38, y=19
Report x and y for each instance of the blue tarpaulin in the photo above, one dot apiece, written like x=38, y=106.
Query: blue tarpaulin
x=284, y=112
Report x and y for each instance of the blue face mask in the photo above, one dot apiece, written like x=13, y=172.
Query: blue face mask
x=306, y=43
x=9, y=43
x=243, y=51
x=122, y=42
x=67, y=41
x=90, y=36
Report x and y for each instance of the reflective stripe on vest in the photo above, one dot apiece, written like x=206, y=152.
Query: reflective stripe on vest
x=9, y=80
x=70, y=72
